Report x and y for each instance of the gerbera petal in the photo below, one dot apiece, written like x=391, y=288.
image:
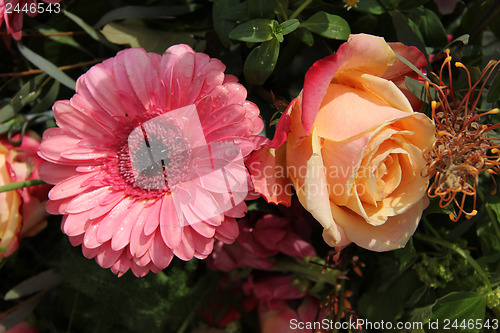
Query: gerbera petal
x=75, y=224
x=90, y=238
x=113, y=220
x=203, y=245
x=171, y=230
x=70, y=187
x=153, y=219
x=121, y=236
x=102, y=86
x=55, y=173
x=54, y=142
x=185, y=250
x=161, y=255
x=106, y=205
x=90, y=253
x=142, y=75
x=79, y=123
x=87, y=200
x=204, y=229
x=139, y=271
x=228, y=230
x=107, y=257
x=76, y=240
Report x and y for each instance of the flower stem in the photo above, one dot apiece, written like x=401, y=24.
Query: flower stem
x=18, y=185
x=338, y=316
x=312, y=272
x=300, y=9
x=461, y=252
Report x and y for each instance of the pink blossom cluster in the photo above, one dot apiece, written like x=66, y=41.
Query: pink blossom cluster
x=260, y=239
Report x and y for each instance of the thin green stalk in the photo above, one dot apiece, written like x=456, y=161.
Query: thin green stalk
x=461, y=252
x=18, y=185
x=300, y=9
x=203, y=296
x=494, y=220
x=309, y=271
x=340, y=310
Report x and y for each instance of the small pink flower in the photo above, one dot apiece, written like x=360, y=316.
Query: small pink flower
x=12, y=12
x=259, y=240
x=275, y=313
x=148, y=158
x=23, y=212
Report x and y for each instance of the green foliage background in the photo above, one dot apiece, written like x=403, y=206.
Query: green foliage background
x=447, y=271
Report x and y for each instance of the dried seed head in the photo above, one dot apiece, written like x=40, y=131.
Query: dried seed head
x=462, y=149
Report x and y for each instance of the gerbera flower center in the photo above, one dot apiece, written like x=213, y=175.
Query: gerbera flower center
x=154, y=157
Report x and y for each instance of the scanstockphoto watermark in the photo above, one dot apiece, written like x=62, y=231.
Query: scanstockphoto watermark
x=315, y=189
x=303, y=171
x=338, y=179
x=353, y=324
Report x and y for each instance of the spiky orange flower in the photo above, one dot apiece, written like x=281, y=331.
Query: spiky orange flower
x=463, y=147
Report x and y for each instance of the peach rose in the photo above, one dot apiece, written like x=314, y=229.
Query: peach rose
x=22, y=212
x=353, y=149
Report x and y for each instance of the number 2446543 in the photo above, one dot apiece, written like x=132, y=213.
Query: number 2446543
x=33, y=8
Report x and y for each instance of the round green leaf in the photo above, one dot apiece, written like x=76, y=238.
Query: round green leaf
x=289, y=26
x=327, y=25
x=261, y=61
x=254, y=31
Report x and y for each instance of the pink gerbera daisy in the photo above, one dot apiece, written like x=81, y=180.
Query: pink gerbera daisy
x=148, y=159
x=12, y=12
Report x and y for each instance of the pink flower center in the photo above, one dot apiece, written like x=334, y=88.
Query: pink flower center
x=154, y=157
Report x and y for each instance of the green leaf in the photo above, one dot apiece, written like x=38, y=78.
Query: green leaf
x=494, y=92
x=387, y=304
x=222, y=24
x=260, y=9
x=254, y=31
x=405, y=33
x=328, y=26
x=460, y=305
x=28, y=93
x=289, y=26
x=305, y=36
x=429, y=24
x=142, y=12
x=46, y=66
x=435, y=208
x=422, y=314
x=96, y=35
x=6, y=126
x=494, y=205
x=410, y=4
x=44, y=280
x=417, y=88
x=390, y=3
x=136, y=34
x=48, y=100
x=406, y=255
x=237, y=13
x=66, y=40
x=370, y=6
x=260, y=63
